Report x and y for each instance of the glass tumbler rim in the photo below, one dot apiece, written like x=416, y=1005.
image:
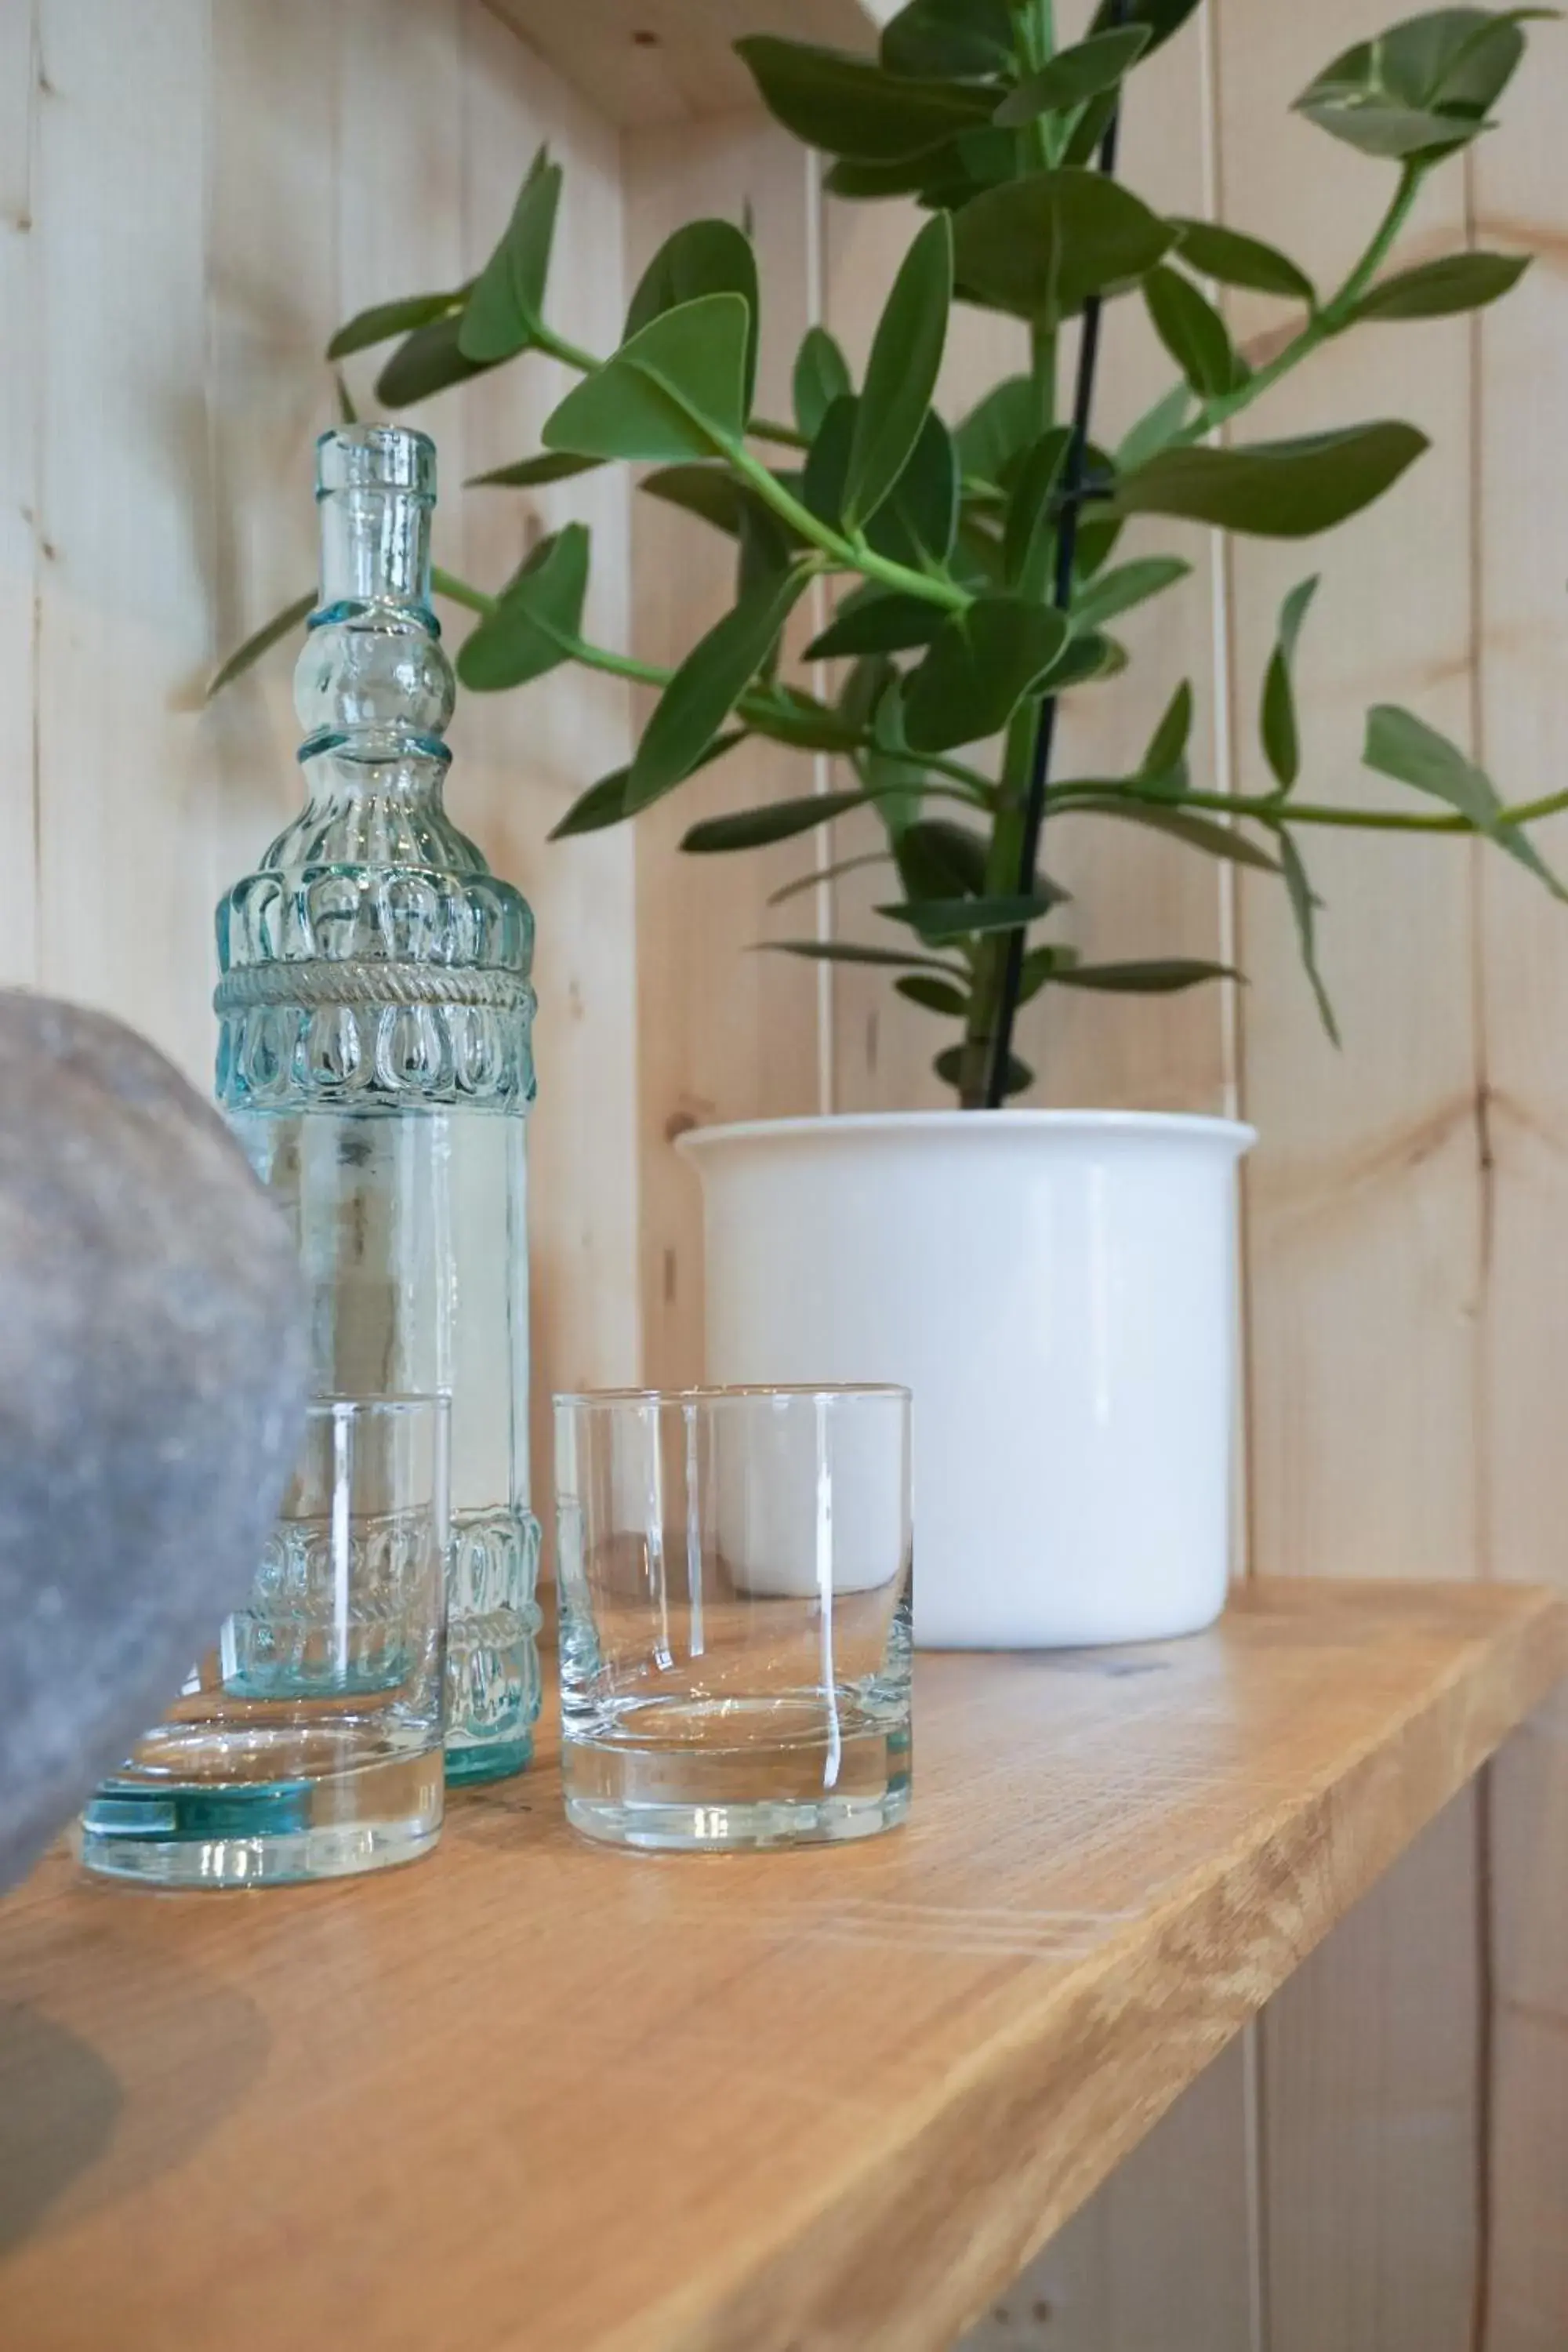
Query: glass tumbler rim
x=397, y=1402
x=736, y=1392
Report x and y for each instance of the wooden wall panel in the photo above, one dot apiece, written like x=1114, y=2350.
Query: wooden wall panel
x=123, y=516
x=724, y=1034
x=273, y=294
x=523, y=758
x=1522, y=500
x=1157, y=2261
x=19, y=404
x=1365, y=1208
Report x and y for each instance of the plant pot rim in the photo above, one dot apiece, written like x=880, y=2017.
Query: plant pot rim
x=1170, y=1126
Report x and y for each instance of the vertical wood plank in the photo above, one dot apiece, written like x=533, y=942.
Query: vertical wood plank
x=1522, y=505
x=272, y=301
x=20, y=395
x=1156, y=2261
x=1370, y=2075
x=1365, y=1205
x=522, y=759
x=725, y=1033
x=124, y=635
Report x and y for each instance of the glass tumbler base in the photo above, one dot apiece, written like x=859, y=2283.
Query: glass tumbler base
x=263, y=1832
x=718, y=1798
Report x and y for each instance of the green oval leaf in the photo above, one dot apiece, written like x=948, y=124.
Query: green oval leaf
x=757, y=828
x=850, y=951
x=1161, y=976
x=676, y=390
x=1275, y=489
x=933, y=39
x=933, y=995
x=1163, y=17
x=950, y=1068
x=1236, y=259
x=1438, y=289
x=848, y=105
x=385, y=320
x=1128, y=586
x=705, y=256
x=427, y=361
x=940, y=920
x=712, y=493
x=1207, y=833
x=531, y=472
x=902, y=373
x=1165, y=763
x=977, y=669
x=821, y=377
x=1400, y=745
x=506, y=309
x=604, y=803
x=998, y=429
x=916, y=523
x=707, y=686
x=1075, y=74
x=1040, y=247
x=1193, y=332
x=890, y=622
x=1277, y=719
x=1304, y=904
x=1029, y=535
x=537, y=620
x=282, y=624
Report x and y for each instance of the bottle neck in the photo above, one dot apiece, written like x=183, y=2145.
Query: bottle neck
x=375, y=549
x=374, y=688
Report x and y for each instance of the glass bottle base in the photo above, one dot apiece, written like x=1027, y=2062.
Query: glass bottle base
x=264, y=1833
x=473, y=1766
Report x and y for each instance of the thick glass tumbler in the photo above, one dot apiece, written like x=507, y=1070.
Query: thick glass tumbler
x=308, y=1743
x=734, y=1570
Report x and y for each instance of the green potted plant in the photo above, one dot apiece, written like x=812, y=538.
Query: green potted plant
x=1079, y=1491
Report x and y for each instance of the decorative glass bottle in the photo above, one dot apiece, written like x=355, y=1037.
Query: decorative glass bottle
x=375, y=1060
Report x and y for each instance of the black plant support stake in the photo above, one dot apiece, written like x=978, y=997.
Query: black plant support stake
x=1075, y=488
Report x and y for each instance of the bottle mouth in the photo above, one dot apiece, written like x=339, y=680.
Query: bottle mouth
x=376, y=457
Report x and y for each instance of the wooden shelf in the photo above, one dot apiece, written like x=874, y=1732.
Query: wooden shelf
x=664, y=60
x=544, y=2098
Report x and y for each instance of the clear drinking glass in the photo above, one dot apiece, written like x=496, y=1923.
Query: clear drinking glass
x=308, y=1743
x=734, y=1575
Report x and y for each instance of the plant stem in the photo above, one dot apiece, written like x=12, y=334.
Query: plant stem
x=457, y=592
x=1045, y=717
x=848, y=555
x=1320, y=328
x=977, y=791
x=1269, y=809
x=1003, y=864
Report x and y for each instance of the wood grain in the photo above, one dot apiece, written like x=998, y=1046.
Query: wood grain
x=642, y=61
x=830, y=2099
x=723, y=1032
x=1521, y=354
x=1363, y=1205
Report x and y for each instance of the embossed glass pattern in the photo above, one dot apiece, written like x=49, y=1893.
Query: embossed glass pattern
x=375, y=1059
x=307, y=1742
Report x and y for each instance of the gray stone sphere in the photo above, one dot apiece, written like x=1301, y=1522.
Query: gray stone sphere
x=153, y=1373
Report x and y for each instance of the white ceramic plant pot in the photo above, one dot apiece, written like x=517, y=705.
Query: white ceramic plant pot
x=1058, y=1290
